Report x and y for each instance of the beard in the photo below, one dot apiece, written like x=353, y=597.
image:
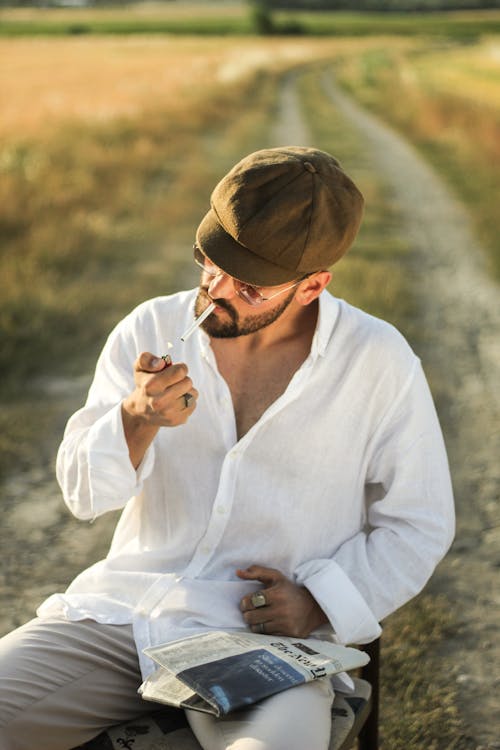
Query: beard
x=236, y=325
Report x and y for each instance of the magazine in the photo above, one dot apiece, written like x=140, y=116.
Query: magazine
x=218, y=672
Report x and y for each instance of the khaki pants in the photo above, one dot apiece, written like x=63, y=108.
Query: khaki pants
x=62, y=683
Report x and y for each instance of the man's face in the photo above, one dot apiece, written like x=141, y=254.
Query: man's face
x=236, y=318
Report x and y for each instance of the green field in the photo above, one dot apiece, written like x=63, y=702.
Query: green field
x=236, y=18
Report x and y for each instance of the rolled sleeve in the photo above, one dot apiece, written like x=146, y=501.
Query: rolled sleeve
x=347, y=611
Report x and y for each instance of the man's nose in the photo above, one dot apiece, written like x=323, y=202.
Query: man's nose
x=221, y=286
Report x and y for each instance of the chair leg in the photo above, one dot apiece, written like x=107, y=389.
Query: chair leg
x=368, y=737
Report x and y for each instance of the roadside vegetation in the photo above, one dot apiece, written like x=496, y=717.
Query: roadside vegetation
x=445, y=97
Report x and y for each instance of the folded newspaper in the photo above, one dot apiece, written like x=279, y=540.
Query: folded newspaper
x=219, y=672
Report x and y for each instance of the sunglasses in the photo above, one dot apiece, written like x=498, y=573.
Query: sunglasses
x=250, y=294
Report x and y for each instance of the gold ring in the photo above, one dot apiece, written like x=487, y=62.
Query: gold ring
x=258, y=600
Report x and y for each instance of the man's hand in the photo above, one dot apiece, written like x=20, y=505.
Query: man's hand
x=157, y=401
x=289, y=609
x=158, y=398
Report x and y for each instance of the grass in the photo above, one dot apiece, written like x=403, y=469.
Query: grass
x=235, y=18
x=418, y=698
x=454, y=25
x=142, y=18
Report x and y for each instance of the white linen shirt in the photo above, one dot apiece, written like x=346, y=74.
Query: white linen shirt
x=342, y=484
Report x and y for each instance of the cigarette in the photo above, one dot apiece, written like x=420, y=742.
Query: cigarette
x=199, y=320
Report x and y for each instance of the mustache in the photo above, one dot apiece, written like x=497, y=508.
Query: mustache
x=224, y=304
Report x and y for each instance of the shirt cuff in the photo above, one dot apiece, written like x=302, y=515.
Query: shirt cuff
x=351, y=618
x=112, y=478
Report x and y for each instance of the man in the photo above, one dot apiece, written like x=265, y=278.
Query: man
x=289, y=447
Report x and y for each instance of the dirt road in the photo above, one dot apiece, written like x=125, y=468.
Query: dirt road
x=42, y=547
x=460, y=347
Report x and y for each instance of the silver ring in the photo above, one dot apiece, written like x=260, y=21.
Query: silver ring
x=258, y=600
x=261, y=627
x=188, y=397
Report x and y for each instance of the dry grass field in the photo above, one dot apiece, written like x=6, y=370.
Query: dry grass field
x=47, y=82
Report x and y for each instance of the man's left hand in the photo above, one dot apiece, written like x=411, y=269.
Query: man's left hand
x=288, y=610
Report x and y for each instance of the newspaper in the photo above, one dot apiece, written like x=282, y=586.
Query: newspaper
x=219, y=672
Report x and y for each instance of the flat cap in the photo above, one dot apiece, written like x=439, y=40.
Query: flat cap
x=279, y=214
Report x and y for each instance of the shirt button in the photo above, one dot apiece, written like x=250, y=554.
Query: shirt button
x=206, y=549
x=221, y=510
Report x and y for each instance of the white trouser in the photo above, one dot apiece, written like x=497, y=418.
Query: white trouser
x=297, y=719
x=62, y=683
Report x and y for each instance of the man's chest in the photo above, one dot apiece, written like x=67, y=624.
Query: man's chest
x=255, y=386
x=252, y=398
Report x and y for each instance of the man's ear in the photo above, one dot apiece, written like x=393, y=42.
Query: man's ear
x=311, y=288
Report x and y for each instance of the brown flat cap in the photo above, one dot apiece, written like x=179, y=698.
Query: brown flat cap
x=279, y=214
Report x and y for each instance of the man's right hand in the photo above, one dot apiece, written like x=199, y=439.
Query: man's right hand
x=157, y=401
x=158, y=398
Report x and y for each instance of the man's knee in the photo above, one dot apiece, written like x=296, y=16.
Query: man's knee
x=291, y=720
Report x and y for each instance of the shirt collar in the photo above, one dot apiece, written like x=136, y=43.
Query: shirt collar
x=328, y=313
